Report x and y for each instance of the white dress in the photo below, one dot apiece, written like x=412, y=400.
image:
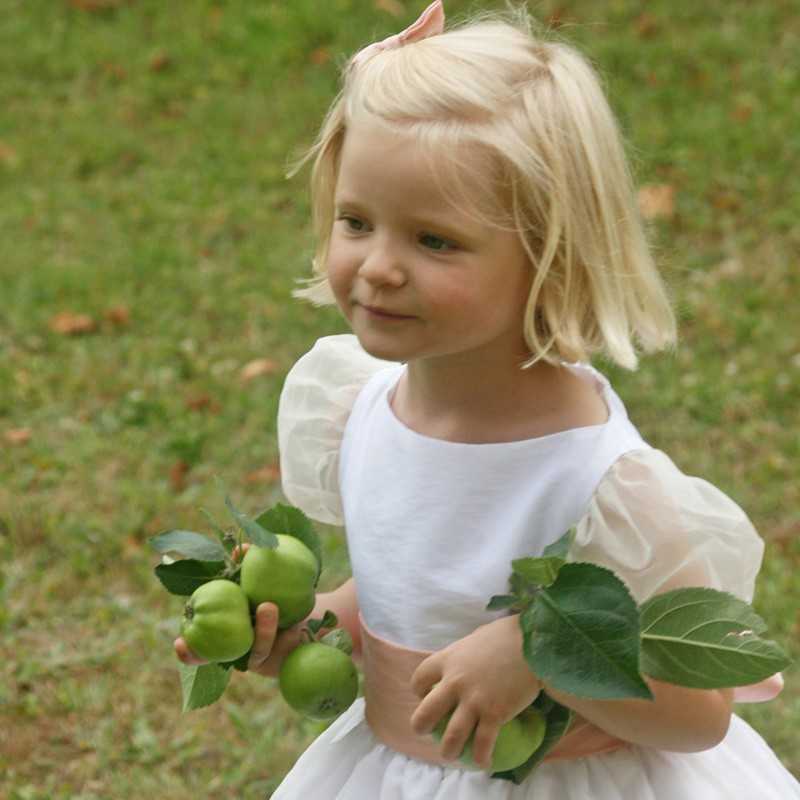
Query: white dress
x=432, y=527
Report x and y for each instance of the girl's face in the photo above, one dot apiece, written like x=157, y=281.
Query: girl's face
x=416, y=277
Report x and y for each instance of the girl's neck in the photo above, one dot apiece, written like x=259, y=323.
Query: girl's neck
x=503, y=403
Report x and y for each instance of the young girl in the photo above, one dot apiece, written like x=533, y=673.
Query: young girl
x=477, y=228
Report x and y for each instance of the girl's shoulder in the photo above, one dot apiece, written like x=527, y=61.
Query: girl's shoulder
x=659, y=529
x=316, y=400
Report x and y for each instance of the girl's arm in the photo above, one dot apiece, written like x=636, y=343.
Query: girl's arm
x=486, y=681
x=678, y=719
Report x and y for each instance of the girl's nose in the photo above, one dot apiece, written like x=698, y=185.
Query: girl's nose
x=382, y=267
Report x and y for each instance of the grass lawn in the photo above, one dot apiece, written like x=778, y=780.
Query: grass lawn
x=149, y=243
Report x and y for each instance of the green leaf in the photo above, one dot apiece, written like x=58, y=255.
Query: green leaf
x=292, y=521
x=201, y=686
x=228, y=539
x=329, y=620
x=501, y=602
x=559, y=718
x=706, y=639
x=581, y=635
x=340, y=639
x=188, y=544
x=538, y=571
x=183, y=577
x=561, y=547
x=257, y=535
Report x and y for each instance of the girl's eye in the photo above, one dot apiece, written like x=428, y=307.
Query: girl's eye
x=435, y=242
x=353, y=224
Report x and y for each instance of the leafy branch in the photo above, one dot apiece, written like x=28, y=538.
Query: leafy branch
x=584, y=634
x=190, y=559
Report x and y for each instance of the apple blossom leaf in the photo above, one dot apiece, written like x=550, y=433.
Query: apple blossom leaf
x=329, y=620
x=706, y=639
x=292, y=521
x=240, y=664
x=500, y=602
x=201, y=686
x=255, y=532
x=581, y=635
x=558, y=719
x=228, y=539
x=188, y=544
x=538, y=571
x=183, y=577
x=561, y=547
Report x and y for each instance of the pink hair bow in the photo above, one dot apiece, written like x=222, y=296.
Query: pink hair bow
x=430, y=23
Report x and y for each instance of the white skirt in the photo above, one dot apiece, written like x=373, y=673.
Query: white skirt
x=346, y=762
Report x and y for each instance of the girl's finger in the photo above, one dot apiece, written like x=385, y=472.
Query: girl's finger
x=426, y=676
x=186, y=655
x=438, y=702
x=266, y=629
x=484, y=741
x=461, y=725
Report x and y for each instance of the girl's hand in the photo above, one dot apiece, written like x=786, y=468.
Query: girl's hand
x=269, y=647
x=483, y=679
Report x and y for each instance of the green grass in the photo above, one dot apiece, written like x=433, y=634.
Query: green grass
x=143, y=149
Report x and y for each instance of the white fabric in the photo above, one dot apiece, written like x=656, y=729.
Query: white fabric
x=347, y=762
x=432, y=527
x=315, y=403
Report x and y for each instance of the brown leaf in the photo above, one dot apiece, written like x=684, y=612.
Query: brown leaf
x=96, y=5
x=647, y=26
x=68, y=323
x=118, y=315
x=203, y=402
x=17, y=436
x=320, y=56
x=177, y=475
x=726, y=200
x=160, y=62
x=393, y=7
x=8, y=155
x=657, y=200
x=742, y=112
x=261, y=366
x=268, y=474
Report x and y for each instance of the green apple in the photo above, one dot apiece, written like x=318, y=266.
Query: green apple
x=216, y=621
x=517, y=741
x=285, y=575
x=318, y=680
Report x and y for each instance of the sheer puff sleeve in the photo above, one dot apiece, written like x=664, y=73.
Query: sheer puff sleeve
x=315, y=402
x=660, y=529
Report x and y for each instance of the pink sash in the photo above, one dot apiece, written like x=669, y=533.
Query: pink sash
x=389, y=704
x=388, y=668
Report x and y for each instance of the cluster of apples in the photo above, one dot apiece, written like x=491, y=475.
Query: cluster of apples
x=318, y=678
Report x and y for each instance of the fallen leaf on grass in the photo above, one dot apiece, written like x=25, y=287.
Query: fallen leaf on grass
x=160, y=62
x=177, y=475
x=269, y=474
x=647, y=26
x=203, y=402
x=258, y=367
x=657, y=200
x=17, y=436
x=8, y=155
x=320, y=56
x=119, y=315
x=68, y=323
x=393, y=7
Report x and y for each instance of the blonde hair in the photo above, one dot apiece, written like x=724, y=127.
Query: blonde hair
x=533, y=113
